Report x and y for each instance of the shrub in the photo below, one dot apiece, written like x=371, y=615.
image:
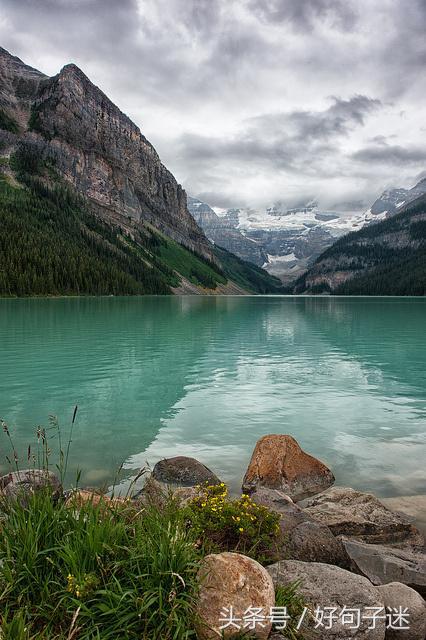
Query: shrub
x=232, y=525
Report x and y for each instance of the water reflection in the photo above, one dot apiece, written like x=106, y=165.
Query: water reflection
x=207, y=377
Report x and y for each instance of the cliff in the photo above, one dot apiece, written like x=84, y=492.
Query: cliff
x=97, y=149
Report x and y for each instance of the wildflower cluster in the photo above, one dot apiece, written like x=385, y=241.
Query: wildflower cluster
x=231, y=524
x=84, y=587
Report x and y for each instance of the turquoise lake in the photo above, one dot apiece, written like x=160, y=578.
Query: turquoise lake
x=206, y=377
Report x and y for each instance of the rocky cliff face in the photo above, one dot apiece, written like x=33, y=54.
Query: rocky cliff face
x=98, y=149
x=222, y=230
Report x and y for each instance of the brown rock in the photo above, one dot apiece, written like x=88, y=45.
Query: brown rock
x=278, y=462
x=157, y=494
x=362, y=516
x=81, y=497
x=231, y=579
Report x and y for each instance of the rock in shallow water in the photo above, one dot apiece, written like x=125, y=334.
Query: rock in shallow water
x=362, y=516
x=232, y=580
x=330, y=589
x=278, y=462
x=183, y=471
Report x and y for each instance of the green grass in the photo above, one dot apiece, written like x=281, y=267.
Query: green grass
x=189, y=265
x=104, y=574
x=247, y=275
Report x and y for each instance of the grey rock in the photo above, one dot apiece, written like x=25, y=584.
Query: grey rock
x=301, y=536
x=183, y=471
x=362, y=516
x=382, y=564
x=396, y=595
x=314, y=542
x=19, y=485
x=323, y=585
x=272, y=498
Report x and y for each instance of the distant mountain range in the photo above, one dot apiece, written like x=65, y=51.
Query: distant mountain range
x=86, y=206
x=286, y=242
x=387, y=258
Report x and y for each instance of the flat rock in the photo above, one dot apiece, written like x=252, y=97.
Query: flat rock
x=278, y=462
x=20, y=484
x=231, y=579
x=382, y=564
x=362, y=516
x=272, y=498
x=395, y=596
x=323, y=585
x=183, y=471
x=412, y=507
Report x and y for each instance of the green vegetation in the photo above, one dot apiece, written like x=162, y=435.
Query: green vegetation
x=51, y=244
x=232, y=525
x=95, y=568
x=8, y=123
x=190, y=265
x=386, y=264
x=247, y=275
x=96, y=573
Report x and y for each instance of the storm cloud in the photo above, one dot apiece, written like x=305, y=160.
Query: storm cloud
x=250, y=102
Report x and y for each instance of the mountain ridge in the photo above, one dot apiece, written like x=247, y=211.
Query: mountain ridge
x=62, y=133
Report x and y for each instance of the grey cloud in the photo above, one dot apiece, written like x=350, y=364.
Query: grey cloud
x=231, y=92
x=303, y=14
x=394, y=154
x=284, y=140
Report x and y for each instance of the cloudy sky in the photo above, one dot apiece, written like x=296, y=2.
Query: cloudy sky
x=250, y=102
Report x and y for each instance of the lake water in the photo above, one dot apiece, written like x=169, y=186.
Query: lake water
x=206, y=377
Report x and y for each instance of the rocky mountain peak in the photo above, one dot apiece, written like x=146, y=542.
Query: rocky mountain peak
x=98, y=149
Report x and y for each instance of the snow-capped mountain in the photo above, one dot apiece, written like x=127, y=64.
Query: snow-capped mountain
x=393, y=199
x=289, y=240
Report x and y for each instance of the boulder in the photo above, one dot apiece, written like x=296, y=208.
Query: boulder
x=395, y=596
x=232, y=580
x=20, y=484
x=314, y=542
x=271, y=498
x=382, y=564
x=301, y=536
x=331, y=591
x=156, y=494
x=183, y=471
x=278, y=462
x=362, y=516
x=81, y=497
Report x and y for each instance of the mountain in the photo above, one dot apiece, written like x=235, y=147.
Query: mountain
x=290, y=240
x=393, y=199
x=67, y=149
x=223, y=231
x=285, y=242
x=387, y=258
